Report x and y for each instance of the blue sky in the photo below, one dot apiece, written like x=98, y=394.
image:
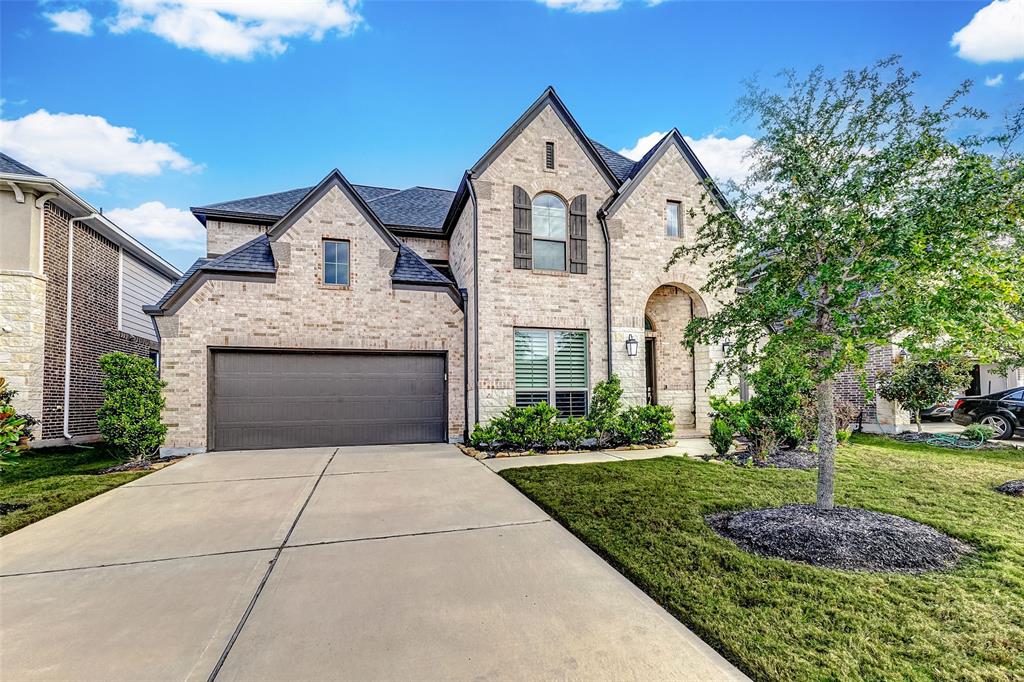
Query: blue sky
x=226, y=105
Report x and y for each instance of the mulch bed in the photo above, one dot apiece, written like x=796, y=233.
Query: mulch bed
x=795, y=458
x=843, y=538
x=8, y=507
x=127, y=466
x=1015, y=488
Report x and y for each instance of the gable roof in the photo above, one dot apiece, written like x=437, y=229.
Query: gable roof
x=548, y=98
x=269, y=207
x=15, y=167
x=411, y=268
x=619, y=164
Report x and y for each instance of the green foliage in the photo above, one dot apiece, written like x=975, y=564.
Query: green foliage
x=572, y=432
x=605, y=405
x=15, y=429
x=519, y=428
x=916, y=385
x=978, y=433
x=132, y=402
x=644, y=425
x=783, y=400
x=721, y=435
x=843, y=436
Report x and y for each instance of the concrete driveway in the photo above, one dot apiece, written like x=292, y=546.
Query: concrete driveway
x=372, y=563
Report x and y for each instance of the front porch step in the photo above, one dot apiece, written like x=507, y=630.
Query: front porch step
x=681, y=434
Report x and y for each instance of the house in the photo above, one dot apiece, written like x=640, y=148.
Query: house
x=344, y=314
x=54, y=327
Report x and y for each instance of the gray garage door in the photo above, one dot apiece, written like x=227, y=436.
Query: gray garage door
x=286, y=399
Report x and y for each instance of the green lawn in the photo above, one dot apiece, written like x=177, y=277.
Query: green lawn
x=53, y=479
x=784, y=621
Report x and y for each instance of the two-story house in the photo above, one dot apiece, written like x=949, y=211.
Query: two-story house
x=72, y=288
x=352, y=314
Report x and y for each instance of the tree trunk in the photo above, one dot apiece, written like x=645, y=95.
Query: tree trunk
x=917, y=418
x=826, y=444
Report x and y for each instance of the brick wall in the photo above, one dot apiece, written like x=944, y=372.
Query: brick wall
x=93, y=324
x=853, y=386
x=223, y=235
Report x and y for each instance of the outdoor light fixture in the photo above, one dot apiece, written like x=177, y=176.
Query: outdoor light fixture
x=631, y=345
x=726, y=346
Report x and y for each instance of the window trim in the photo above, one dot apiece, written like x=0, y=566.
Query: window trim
x=564, y=241
x=323, y=263
x=552, y=390
x=679, y=218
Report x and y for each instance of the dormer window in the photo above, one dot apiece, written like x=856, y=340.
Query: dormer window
x=336, y=263
x=549, y=155
x=548, y=232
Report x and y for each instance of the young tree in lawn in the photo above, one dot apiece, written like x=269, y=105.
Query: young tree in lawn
x=919, y=384
x=862, y=221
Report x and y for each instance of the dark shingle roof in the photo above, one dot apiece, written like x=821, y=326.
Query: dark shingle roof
x=9, y=165
x=200, y=262
x=622, y=167
x=414, y=207
x=412, y=269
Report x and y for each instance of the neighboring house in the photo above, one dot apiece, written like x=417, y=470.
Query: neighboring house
x=348, y=314
x=853, y=386
x=49, y=350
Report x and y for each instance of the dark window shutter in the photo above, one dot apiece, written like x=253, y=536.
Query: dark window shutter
x=522, y=229
x=578, y=235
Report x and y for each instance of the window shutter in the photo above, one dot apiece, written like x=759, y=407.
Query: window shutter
x=522, y=229
x=578, y=235
x=570, y=359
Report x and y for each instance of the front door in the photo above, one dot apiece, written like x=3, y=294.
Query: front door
x=651, y=368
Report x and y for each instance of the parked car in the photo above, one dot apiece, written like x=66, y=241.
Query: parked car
x=1003, y=411
x=939, y=412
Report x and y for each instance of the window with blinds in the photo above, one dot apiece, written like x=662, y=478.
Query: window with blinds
x=551, y=366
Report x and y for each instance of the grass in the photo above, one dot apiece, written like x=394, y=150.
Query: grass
x=778, y=620
x=53, y=479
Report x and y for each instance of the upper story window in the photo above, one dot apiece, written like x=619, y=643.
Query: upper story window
x=336, y=265
x=549, y=155
x=672, y=210
x=549, y=218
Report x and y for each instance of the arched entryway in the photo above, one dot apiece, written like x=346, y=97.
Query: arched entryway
x=674, y=376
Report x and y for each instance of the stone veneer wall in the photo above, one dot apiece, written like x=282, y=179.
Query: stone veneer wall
x=223, y=235
x=640, y=249
x=511, y=298
x=23, y=312
x=297, y=311
x=94, y=324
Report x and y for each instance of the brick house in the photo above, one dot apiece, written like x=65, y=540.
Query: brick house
x=349, y=314
x=48, y=349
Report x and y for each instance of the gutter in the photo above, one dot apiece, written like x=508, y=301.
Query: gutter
x=67, y=320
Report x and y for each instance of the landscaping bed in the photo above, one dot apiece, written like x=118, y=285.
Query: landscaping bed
x=786, y=620
x=1015, y=488
x=39, y=483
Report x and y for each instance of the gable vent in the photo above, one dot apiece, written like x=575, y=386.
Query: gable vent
x=549, y=155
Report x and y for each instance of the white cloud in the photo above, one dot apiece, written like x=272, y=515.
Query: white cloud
x=583, y=6
x=724, y=157
x=81, y=150
x=1020, y=76
x=994, y=81
x=994, y=34
x=77, y=21
x=153, y=221
x=236, y=29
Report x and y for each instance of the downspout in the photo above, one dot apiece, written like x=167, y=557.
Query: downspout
x=67, y=320
x=476, y=302
x=602, y=218
x=465, y=365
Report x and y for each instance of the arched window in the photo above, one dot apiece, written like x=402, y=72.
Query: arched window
x=648, y=324
x=548, y=232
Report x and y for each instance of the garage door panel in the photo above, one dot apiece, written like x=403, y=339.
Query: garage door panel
x=296, y=399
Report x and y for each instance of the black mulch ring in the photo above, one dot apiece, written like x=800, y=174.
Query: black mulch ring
x=8, y=507
x=844, y=538
x=795, y=458
x=127, y=466
x=1012, y=488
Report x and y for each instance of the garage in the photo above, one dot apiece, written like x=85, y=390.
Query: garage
x=288, y=399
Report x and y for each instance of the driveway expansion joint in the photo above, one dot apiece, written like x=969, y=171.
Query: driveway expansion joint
x=138, y=562
x=130, y=486
x=266, y=576
x=443, y=531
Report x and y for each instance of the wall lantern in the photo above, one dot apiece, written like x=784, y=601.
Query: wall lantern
x=631, y=345
x=726, y=347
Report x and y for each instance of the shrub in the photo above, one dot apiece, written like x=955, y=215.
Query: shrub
x=519, y=428
x=645, y=424
x=132, y=401
x=605, y=404
x=919, y=384
x=484, y=437
x=782, y=407
x=843, y=436
x=978, y=433
x=721, y=435
x=15, y=429
x=572, y=432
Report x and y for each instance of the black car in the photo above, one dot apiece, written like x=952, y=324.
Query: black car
x=1003, y=411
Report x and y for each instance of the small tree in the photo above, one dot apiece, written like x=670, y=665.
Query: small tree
x=863, y=220
x=605, y=405
x=132, y=402
x=916, y=385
